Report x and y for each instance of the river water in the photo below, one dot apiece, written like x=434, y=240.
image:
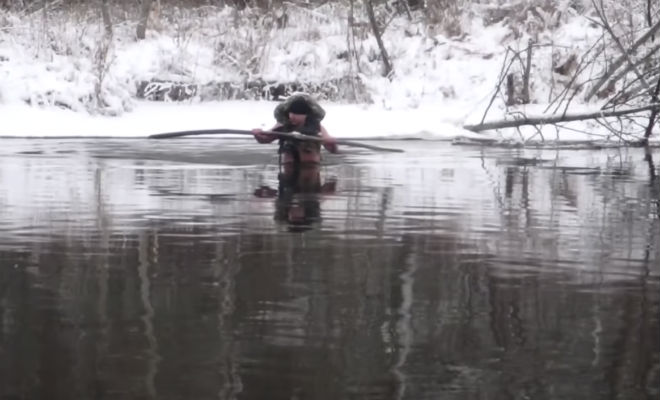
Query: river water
x=195, y=269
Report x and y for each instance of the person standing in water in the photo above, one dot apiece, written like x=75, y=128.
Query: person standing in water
x=299, y=113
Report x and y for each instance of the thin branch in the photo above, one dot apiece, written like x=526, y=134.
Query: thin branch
x=632, y=90
x=590, y=133
x=654, y=113
x=568, y=103
x=648, y=13
x=616, y=132
x=503, y=73
x=642, y=60
x=621, y=60
x=389, y=69
x=581, y=67
x=406, y=7
x=617, y=41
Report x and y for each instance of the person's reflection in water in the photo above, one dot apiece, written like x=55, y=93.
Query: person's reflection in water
x=298, y=196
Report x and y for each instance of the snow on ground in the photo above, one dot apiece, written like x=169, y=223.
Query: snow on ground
x=344, y=121
x=429, y=121
x=441, y=83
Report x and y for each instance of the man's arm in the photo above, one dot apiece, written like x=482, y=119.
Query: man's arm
x=329, y=142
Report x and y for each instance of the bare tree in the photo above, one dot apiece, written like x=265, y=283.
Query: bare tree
x=102, y=54
x=600, y=10
x=622, y=60
x=144, y=17
x=527, y=72
x=389, y=69
x=107, y=22
x=649, y=18
x=654, y=112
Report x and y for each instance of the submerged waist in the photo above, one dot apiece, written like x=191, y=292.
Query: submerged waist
x=303, y=152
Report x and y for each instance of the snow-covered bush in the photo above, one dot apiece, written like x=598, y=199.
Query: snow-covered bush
x=60, y=54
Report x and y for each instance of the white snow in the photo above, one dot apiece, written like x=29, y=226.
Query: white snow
x=344, y=121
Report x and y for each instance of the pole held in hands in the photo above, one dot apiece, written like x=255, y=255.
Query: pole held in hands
x=290, y=135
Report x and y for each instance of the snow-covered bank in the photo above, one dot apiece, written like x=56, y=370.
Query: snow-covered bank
x=343, y=121
x=429, y=122
x=56, y=62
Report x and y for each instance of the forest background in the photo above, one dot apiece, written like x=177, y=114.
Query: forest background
x=517, y=64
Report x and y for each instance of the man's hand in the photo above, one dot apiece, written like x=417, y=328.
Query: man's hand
x=330, y=144
x=262, y=137
x=265, y=192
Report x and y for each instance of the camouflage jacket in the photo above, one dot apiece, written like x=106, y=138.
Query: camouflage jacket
x=281, y=112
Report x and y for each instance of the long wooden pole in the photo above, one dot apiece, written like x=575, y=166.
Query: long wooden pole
x=291, y=135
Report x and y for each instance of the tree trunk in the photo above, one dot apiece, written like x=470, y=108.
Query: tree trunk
x=107, y=22
x=654, y=112
x=510, y=90
x=527, y=72
x=352, y=48
x=144, y=17
x=389, y=70
x=554, y=119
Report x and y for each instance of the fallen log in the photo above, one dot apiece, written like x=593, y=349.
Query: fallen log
x=554, y=119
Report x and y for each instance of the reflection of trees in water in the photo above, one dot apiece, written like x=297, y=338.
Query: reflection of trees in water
x=654, y=181
x=544, y=209
x=526, y=309
x=160, y=314
x=186, y=312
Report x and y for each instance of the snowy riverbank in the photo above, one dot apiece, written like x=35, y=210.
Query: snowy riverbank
x=429, y=122
x=442, y=82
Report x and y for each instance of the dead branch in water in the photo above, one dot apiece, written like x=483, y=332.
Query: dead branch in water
x=554, y=119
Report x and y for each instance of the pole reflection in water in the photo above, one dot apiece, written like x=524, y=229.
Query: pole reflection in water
x=446, y=272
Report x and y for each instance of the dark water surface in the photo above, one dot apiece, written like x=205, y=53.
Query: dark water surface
x=185, y=269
